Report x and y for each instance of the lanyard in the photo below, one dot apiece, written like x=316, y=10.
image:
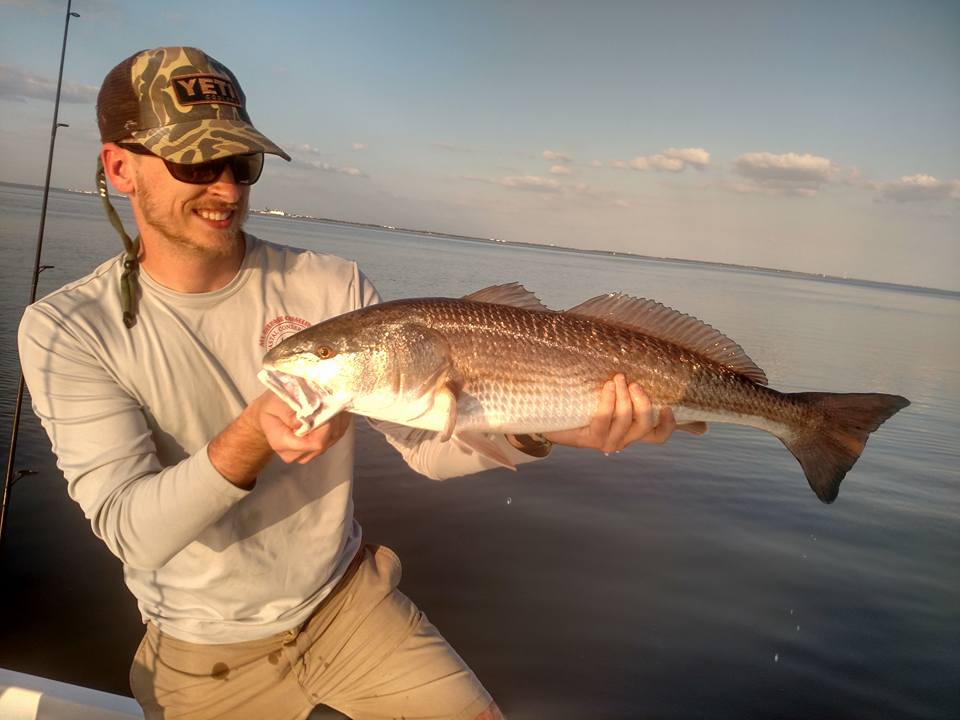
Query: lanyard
x=129, y=284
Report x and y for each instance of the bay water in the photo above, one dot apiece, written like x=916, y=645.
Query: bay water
x=701, y=578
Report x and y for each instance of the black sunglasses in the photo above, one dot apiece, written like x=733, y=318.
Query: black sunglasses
x=245, y=169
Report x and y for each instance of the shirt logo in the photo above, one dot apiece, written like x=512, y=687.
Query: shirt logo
x=280, y=328
x=210, y=89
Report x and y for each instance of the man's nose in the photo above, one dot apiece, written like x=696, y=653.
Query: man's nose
x=226, y=186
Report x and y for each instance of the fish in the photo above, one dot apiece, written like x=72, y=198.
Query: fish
x=498, y=361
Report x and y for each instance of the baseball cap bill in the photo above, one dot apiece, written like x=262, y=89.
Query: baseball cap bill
x=181, y=104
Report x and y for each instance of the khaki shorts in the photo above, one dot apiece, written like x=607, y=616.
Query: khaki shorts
x=367, y=652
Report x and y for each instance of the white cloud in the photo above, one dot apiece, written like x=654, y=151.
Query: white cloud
x=556, y=157
x=786, y=174
x=789, y=167
x=450, y=147
x=750, y=188
x=305, y=149
x=530, y=182
x=18, y=84
x=658, y=162
x=359, y=146
x=596, y=163
x=561, y=170
x=313, y=160
x=670, y=160
x=697, y=157
x=327, y=167
x=913, y=188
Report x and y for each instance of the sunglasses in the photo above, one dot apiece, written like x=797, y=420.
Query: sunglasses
x=245, y=169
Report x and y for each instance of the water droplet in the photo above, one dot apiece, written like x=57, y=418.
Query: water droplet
x=509, y=500
x=776, y=657
x=791, y=611
x=798, y=628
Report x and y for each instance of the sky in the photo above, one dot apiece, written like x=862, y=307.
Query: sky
x=820, y=137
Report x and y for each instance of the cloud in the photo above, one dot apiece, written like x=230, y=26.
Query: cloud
x=670, y=160
x=530, y=182
x=313, y=160
x=697, y=157
x=787, y=174
x=18, y=84
x=596, y=163
x=561, y=170
x=750, y=188
x=328, y=167
x=556, y=157
x=451, y=147
x=789, y=167
x=658, y=162
x=915, y=188
x=359, y=146
x=304, y=149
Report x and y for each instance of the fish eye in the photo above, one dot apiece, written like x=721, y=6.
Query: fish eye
x=323, y=352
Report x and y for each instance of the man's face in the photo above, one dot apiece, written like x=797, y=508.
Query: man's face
x=200, y=219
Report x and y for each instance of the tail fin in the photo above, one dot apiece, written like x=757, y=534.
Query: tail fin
x=826, y=454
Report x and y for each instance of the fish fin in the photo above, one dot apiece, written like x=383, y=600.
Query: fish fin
x=694, y=428
x=827, y=453
x=513, y=294
x=484, y=444
x=665, y=323
x=436, y=404
x=445, y=408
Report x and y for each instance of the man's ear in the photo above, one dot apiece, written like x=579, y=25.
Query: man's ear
x=118, y=166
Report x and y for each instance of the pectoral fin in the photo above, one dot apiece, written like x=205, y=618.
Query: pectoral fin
x=694, y=428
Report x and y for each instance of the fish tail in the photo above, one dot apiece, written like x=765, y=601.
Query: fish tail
x=827, y=452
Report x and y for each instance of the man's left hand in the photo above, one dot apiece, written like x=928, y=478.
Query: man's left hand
x=625, y=415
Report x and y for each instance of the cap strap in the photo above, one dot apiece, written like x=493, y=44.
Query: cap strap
x=129, y=282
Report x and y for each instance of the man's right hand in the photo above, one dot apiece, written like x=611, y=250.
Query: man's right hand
x=278, y=423
x=266, y=426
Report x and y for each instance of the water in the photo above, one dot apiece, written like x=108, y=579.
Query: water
x=697, y=579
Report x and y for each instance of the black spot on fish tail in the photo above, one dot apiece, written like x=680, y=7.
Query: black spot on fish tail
x=828, y=452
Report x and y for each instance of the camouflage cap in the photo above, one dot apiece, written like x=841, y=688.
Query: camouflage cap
x=180, y=104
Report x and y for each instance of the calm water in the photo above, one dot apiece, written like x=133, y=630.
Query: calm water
x=697, y=579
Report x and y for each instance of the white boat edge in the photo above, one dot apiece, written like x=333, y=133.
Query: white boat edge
x=30, y=697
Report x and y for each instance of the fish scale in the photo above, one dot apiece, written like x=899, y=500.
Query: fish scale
x=498, y=361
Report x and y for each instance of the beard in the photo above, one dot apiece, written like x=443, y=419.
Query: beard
x=175, y=230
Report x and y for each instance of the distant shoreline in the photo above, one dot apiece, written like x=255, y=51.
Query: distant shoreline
x=269, y=213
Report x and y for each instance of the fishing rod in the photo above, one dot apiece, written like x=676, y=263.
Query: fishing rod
x=10, y=478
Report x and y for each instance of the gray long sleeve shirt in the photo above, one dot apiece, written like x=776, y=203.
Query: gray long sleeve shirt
x=130, y=414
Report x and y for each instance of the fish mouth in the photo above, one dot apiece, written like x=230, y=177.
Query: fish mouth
x=302, y=396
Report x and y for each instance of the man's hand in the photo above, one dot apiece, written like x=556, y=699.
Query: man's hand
x=278, y=422
x=625, y=415
x=266, y=427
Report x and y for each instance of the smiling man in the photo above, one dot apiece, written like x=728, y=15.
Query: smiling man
x=237, y=537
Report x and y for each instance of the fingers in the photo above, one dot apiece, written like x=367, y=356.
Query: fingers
x=318, y=441
x=599, y=426
x=634, y=419
x=662, y=429
x=278, y=424
x=622, y=414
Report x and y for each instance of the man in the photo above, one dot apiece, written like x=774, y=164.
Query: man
x=237, y=536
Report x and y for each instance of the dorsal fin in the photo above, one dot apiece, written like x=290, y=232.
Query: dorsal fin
x=664, y=323
x=513, y=294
